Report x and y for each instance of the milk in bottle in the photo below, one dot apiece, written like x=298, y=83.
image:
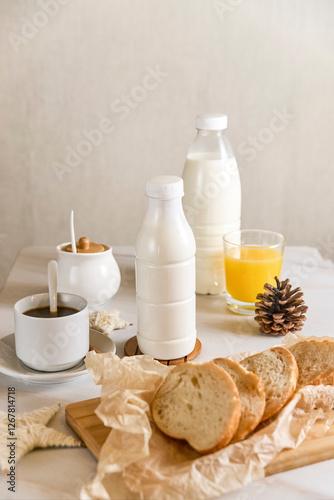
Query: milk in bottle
x=212, y=199
x=165, y=273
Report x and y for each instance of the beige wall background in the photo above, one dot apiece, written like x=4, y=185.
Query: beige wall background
x=131, y=75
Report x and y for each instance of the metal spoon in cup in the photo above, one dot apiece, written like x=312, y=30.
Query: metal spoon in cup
x=52, y=283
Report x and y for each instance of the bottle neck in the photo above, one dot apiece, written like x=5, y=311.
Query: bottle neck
x=174, y=204
x=213, y=133
x=164, y=210
x=213, y=143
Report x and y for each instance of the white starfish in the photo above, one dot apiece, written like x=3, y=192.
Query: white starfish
x=29, y=432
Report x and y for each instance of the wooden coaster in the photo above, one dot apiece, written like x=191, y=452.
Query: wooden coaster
x=131, y=349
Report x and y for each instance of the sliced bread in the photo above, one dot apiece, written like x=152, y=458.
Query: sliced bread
x=199, y=403
x=315, y=360
x=324, y=378
x=251, y=395
x=278, y=372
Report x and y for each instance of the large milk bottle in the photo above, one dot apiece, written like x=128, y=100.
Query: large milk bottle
x=212, y=200
x=165, y=274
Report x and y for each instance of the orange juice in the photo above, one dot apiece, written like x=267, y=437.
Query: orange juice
x=247, y=269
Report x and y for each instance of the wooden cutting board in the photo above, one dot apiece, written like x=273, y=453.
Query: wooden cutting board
x=83, y=420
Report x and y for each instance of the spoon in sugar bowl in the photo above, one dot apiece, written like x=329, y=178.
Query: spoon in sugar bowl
x=87, y=269
x=73, y=243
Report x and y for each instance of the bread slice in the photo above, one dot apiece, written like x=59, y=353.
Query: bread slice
x=251, y=395
x=278, y=371
x=324, y=378
x=315, y=360
x=199, y=403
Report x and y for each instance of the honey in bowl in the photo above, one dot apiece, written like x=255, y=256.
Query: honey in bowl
x=44, y=312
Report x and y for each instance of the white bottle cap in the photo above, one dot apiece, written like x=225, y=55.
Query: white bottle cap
x=211, y=121
x=164, y=187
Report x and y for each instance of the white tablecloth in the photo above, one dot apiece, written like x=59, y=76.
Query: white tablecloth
x=59, y=473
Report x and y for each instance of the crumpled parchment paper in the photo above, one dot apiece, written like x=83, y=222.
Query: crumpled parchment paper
x=138, y=462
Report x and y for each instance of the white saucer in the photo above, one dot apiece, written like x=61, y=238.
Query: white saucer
x=12, y=366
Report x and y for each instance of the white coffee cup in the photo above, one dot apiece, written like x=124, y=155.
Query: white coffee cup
x=51, y=344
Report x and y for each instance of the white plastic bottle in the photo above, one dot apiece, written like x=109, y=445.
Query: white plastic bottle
x=165, y=273
x=212, y=200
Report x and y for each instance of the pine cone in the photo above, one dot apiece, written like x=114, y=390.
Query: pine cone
x=280, y=310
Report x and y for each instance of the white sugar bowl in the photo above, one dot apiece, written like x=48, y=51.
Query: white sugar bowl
x=92, y=272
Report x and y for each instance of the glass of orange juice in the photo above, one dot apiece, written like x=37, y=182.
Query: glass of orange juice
x=252, y=258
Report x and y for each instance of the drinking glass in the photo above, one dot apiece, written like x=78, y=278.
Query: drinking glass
x=252, y=258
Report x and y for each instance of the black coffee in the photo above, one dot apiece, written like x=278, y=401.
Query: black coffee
x=44, y=312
